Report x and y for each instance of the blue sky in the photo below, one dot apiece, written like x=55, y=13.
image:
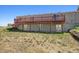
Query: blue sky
x=9, y=12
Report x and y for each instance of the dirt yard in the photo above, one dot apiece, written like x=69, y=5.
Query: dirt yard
x=22, y=42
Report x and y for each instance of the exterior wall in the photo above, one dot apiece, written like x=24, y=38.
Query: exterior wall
x=77, y=18
x=69, y=21
x=27, y=27
x=53, y=28
x=38, y=27
x=69, y=18
x=45, y=28
x=35, y=27
x=67, y=27
x=20, y=27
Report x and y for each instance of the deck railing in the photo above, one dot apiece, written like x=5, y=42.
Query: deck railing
x=57, y=19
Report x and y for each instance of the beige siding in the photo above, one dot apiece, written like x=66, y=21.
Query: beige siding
x=38, y=27
x=53, y=28
x=45, y=28
x=35, y=27
x=20, y=27
x=27, y=27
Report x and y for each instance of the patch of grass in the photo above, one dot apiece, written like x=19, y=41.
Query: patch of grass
x=76, y=28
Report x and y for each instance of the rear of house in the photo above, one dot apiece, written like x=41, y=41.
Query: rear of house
x=40, y=23
x=59, y=22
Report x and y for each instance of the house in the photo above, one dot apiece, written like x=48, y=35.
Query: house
x=58, y=22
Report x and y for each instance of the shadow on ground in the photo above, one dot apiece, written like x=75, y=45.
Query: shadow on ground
x=75, y=37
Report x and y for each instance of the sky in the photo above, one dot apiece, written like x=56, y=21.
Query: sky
x=9, y=12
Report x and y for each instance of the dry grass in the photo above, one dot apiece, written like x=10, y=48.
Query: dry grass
x=37, y=42
x=76, y=29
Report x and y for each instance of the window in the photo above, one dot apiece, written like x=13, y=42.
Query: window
x=58, y=28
